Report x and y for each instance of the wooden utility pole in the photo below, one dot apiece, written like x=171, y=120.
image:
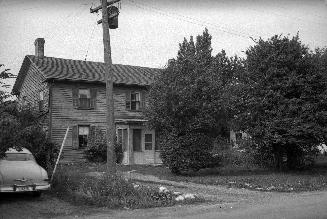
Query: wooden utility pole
x=111, y=160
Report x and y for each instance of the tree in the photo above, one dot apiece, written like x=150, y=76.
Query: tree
x=281, y=99
x=187, y=102
x=4, y=74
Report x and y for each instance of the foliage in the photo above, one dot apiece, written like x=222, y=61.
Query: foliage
x=188, y=99
x=281, y=99
x=96, y=150
x=44, y=151
x=4, y=74
x=191, y=151
x=20, y=128
x=111, y=191
x=246, y=156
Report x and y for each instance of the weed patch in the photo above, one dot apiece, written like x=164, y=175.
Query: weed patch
x=110, y=191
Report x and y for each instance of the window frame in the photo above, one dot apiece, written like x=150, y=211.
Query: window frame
x=88, y=99
x=87, y=136
x=148, y=142
x=137, y=101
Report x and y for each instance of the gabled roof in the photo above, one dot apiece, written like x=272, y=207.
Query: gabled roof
x=87, y=71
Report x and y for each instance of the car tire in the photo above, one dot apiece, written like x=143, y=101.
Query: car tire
x=37, y=194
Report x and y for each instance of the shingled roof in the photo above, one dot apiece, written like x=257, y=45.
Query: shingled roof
x=87, y=71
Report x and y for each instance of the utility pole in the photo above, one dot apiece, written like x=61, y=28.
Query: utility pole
x=110, y=127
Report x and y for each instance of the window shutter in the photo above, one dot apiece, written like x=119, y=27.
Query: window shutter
x=75, y=137
x=92, y=135
x=142, y=99
x=75, y=98
x=128, y=100
x=93, y=92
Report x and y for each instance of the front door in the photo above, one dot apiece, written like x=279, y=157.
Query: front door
x=148, y=146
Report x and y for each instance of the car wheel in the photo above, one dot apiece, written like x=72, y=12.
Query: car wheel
x=37, y=194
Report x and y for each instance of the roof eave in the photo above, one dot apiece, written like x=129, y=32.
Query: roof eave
x=95, y=82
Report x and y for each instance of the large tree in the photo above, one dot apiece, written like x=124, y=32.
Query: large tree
x=281, y=99
x=186, y=104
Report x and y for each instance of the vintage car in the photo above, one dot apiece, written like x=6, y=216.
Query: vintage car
x=19, y=172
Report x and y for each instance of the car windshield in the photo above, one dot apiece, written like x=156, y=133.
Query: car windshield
x=18, y=157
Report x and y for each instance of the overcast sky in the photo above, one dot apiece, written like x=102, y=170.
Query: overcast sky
x=150, y=30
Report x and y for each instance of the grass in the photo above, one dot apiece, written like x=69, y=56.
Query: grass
x=249, y=178
x=71, y=183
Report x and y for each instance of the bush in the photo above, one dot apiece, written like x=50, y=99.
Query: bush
x=190, y=152
x=22, y=128
x=34, y=139
x=96, y=150
x=108, y=190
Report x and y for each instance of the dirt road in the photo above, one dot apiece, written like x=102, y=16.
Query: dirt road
x=223, y=203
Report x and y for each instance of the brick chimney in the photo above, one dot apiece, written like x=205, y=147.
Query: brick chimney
x=39, y=47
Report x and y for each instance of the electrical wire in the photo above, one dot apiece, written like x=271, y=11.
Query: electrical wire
x=188, y=19
x=90, y=39
x=284, y=15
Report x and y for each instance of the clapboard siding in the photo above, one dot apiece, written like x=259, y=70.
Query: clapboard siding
x=64, y=114
x=31, y=88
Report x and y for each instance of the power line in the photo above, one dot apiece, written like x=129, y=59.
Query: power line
x=90, y=38
x=189, y=19
x=283, y=15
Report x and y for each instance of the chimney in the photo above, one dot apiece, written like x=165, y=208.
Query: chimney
x=39, y=47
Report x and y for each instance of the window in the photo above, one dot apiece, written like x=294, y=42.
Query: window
x=137, y=140
x=148, y=142
x=83, y=133
x=84, y=98
x=133, y=101
x=41, y=100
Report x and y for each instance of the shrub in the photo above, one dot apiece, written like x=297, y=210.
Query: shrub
x=96, y=150
x=22, y=128
x=34, y=139
x=190, y=152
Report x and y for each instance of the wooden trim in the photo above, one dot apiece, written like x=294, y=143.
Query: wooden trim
x=79, y=82
x=50, y=108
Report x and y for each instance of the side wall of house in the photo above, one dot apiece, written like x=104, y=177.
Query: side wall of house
x=65, y=115
x=30, y=92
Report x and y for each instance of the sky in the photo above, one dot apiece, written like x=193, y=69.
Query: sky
x=150, y=31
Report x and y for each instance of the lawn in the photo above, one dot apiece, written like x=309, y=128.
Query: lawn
x=254, y=179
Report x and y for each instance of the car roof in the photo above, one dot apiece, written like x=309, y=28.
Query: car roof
x=14, y=151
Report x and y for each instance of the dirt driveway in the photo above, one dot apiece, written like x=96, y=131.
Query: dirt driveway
x=222, y=202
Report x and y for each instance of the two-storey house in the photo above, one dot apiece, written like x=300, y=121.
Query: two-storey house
x=71, y=93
